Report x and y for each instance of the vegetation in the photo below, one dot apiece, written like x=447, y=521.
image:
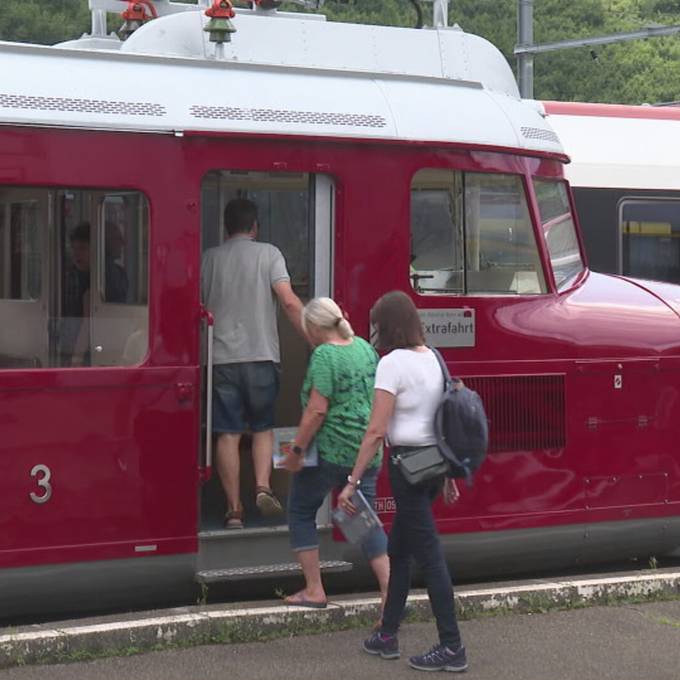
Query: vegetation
x=43, y=21
x=632, y=72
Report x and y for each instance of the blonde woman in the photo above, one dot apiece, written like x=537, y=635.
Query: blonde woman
x=337, y=397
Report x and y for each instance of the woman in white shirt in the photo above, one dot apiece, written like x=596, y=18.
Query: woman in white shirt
x=409, y=386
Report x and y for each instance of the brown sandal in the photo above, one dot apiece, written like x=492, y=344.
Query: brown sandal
x=234, y=519
x=267, y=503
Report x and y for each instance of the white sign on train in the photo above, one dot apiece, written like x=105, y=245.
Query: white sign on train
x=449, y=327
x=443, y=327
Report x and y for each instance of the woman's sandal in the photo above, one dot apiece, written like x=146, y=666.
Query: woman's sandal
x=299, y=600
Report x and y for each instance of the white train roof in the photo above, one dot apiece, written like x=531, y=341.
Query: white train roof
x=282, y=75
x=617, y=146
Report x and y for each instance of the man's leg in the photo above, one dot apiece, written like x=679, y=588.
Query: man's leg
x=262, y=380
x=229, y=423
x=229, y=468
x=263, y=447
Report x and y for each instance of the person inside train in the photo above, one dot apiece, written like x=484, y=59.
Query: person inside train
x=74, y=331
x=241, y=283
x=337, y=394
x=408, y=389
x=116, y=281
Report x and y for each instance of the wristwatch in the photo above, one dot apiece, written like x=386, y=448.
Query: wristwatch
x=297, y=450
x=356, y=484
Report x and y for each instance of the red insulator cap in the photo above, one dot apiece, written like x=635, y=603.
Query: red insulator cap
x=139, y=10
x=221, y=9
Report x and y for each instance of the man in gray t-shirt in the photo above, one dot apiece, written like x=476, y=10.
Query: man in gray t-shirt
x=242, y=281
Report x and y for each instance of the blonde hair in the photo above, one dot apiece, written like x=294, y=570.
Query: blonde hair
x=324, y=313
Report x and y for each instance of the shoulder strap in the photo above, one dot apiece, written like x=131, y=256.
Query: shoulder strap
x=445, y=369
x=443, y=445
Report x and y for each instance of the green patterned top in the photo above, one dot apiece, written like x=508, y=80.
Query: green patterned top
x=345, y=375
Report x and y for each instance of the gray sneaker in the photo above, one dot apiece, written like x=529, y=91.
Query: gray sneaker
x=387, y=646
x=440, y=658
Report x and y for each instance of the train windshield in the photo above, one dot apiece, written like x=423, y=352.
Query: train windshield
x=471, y=233
x=559, y=230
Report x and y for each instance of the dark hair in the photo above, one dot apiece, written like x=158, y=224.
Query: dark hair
x=396, y=319
x=240, y=215
x=81, y=232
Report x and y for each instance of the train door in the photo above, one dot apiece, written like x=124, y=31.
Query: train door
x=295, y=213
x=87, y=424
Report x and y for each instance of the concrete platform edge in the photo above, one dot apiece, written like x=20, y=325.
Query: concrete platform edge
x=221, y=624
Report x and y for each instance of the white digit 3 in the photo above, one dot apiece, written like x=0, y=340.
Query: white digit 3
x=43, y=482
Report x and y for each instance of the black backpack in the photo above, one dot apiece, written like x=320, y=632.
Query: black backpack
x=461, y=426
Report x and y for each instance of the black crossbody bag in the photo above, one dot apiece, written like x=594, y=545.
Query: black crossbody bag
x=419, y=464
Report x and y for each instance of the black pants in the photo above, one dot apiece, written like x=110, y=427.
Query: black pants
x=414, y=534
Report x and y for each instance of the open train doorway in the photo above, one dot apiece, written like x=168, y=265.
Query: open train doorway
x=296, y=214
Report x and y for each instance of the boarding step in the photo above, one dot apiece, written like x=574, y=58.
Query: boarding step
x=267, y=571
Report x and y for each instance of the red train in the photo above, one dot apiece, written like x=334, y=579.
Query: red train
x=407, y=161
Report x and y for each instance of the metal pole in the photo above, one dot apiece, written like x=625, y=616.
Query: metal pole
x=440, y=13
x=525, y=38
x=650, y=32
x=98, y=23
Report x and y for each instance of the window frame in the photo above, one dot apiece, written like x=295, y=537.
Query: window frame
x=576, y=280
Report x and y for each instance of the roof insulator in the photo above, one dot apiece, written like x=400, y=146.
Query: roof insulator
x=220, y=27
x=138, y=12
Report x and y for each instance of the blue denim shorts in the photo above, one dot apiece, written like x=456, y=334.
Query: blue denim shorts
x=309, y=488
x=244, y=396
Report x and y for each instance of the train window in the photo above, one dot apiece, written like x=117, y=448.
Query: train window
x=285, y=214
x=559, y=230
x=123, y=271
x=73, y=277
x=20, y=250
x=437, y=232
x=650, y=238
x=471, y=234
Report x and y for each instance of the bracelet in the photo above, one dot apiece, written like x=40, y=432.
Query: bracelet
x=351, y=482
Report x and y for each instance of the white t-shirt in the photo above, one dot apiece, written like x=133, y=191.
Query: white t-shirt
x=416, y=380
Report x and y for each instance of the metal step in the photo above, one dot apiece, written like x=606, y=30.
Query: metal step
x=241, y=534
x=267, y=571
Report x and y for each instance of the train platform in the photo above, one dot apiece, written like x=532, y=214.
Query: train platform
x=243, y=623
x=623, y=642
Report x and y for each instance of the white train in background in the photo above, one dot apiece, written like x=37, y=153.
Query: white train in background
x=625, y=175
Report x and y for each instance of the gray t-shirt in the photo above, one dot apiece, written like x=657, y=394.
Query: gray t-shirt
x=237, y=279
